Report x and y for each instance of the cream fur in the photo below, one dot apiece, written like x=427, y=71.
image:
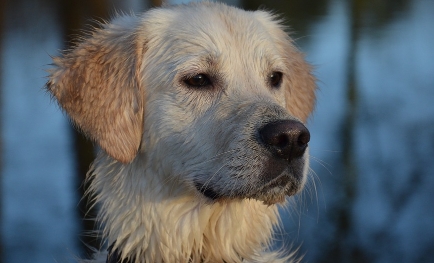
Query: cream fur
x=164, y=143
x=154, y=228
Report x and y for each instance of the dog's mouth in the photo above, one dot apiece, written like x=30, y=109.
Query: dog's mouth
x=207, y=191
x=276, y=190
x=269, y=191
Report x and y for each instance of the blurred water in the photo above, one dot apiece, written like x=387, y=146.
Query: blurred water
x=387, y=217
x=390, y=218
x=39, y=222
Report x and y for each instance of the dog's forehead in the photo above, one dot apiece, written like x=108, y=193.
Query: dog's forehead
x=217, y=30
x=222, y=29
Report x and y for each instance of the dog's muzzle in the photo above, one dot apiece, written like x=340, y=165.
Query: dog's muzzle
x=279, y=147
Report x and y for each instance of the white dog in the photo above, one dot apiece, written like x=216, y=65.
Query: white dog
x=199, y=112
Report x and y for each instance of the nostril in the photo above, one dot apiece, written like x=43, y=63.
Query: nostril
x=281, y=140
x=304, y=137
x=286, y=139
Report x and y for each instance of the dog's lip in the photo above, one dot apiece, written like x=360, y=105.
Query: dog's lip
x=276, y=191
x=278, y=184
x=280, y=181
x=207, y=191
x=277, y=180
x=270, y=193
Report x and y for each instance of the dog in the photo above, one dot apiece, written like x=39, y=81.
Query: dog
x=199, y=111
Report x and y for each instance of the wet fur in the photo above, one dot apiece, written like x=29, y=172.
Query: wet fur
x=124, y=88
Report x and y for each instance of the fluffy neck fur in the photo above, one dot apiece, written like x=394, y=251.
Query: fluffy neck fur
x=150, y=218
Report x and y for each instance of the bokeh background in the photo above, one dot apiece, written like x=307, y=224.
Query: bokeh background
x=371, y=190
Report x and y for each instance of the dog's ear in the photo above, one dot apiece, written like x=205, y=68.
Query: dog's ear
x=98, y=84
x=300, y=93
x=301, y=84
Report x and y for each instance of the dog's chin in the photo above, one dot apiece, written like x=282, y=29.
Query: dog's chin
x=274, y=192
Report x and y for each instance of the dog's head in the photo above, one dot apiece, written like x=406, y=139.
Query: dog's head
x=213, y=96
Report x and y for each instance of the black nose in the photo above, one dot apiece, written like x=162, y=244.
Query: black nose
x=286, y=139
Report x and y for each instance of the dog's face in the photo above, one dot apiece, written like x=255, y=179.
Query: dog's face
x=213, y=96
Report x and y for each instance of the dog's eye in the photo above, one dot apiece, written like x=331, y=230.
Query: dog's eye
x=198, y=81
x=275, y=79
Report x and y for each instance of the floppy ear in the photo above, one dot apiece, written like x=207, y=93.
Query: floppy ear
x=300, y=93
x=98, y=84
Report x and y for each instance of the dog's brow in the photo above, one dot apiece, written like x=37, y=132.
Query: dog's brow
x=198, y=63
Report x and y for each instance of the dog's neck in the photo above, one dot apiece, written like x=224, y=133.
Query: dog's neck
x=149, y=218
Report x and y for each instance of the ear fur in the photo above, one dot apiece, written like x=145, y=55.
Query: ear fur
x=98, y=84
x=300, y=93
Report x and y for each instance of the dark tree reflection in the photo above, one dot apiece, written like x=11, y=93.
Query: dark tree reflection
x=2, y=19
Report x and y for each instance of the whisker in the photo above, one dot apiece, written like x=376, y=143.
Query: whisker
x=312, y=174
x=205, y=185
x=322, y=163
x=217, y=156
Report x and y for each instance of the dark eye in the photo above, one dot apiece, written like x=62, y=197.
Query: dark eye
x=275, y=79
x=198, y=81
